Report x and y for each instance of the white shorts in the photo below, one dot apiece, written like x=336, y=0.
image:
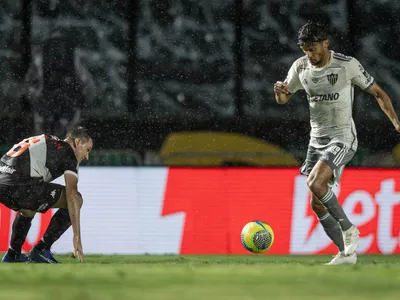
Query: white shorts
x=336, y=156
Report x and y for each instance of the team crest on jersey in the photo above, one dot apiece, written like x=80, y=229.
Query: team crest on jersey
x=315, y=80
x=332, y=78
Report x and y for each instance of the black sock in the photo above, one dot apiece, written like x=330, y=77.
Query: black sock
x=20, y=230
x=59, y=224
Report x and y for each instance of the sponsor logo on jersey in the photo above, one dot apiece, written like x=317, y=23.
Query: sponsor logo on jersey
x=322, y=140
x=315, y=80
x=332, y=78
x=326, y=97
x=7, y=169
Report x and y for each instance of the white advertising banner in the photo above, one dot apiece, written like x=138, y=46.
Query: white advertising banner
x=158, y=210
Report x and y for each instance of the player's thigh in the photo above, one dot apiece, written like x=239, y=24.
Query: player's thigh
x=9, y=196
x=62, y=201
x=320, y=174
x=312, y=164
x=27, y=213
x=312, y=157
x=336, y=157
x=40, y=197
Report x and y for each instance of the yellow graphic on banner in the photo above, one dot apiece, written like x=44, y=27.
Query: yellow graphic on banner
x=222, y=149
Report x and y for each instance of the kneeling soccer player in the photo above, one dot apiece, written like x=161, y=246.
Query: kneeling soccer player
x=26, y=172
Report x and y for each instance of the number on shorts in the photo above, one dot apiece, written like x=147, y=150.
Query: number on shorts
x=21, y=147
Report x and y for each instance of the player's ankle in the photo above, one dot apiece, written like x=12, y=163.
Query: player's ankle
x=42, y=246
x=13, y=253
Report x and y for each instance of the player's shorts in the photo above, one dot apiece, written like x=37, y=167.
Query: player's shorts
x=336, y=156
x=36, y=197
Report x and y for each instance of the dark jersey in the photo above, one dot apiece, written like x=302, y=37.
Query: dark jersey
x=37, y=159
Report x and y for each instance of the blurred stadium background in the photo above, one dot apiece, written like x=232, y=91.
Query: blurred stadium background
x=189, y=83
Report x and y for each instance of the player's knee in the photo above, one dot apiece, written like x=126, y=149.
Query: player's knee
x=27, y=213
x=316, y=186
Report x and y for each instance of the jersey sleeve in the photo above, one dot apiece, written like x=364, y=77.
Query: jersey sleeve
x=293, y=79
x=358, y=75
x=71, y=166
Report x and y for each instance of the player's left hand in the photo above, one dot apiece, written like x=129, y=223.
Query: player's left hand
x=78, y=251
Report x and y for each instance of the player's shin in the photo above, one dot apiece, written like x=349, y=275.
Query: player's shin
x=332, y=229
x=335, y=209
x=59, y=224
x=20, y=228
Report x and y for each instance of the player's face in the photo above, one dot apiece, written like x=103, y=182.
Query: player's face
x=82, y=149
x=316, y=52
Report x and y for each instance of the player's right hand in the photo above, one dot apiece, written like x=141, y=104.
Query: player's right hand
x=281, y=88
x=78, y=250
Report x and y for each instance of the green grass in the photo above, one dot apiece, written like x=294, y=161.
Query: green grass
x=203, y=277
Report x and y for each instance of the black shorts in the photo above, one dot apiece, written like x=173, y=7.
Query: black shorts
x=37, y=197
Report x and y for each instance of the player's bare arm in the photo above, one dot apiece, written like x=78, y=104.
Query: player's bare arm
x=385, y=103
x=74, y=202
x=282, y=94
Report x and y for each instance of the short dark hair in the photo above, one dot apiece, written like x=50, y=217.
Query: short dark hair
x=78, y=133
x=312, y=33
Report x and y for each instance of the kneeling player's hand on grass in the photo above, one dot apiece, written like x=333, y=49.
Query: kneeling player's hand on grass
x=78, y=251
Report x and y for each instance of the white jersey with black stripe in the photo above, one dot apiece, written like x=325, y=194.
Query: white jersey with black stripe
x=36, y=159
x=330, y=94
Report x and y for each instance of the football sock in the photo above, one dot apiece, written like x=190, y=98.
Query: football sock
x=59, y=224
x=20, y=230
x=332, y=229
x=335, y=209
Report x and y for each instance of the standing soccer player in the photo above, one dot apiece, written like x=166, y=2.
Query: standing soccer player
x=26, y=172
x=328, y=78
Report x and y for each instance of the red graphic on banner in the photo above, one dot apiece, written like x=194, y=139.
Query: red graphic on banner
x=5, y=229
x=373, y=198
x=5, y=215
x=44, y=223
x=219, y=202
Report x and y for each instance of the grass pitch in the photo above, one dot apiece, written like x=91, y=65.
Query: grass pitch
x=202, y=277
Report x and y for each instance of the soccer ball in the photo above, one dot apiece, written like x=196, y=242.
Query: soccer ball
x=257, y=236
